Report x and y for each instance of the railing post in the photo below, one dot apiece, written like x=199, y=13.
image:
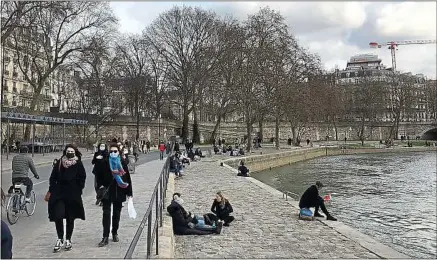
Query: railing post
x=156, y=219
x=149, y=234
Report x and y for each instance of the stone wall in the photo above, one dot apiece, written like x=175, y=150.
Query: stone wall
x=258, y=163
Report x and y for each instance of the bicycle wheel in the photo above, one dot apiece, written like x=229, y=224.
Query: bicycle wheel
x=12, y=209
x=30, y=206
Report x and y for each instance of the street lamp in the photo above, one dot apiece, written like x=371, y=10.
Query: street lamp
x=159, y=128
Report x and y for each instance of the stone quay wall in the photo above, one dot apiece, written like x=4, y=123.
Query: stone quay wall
x=262, y=162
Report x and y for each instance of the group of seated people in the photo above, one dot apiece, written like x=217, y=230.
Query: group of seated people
x=186, y=223
x=179, y=159
x=237, y=151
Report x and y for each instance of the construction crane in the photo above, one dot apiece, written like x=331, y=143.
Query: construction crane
x=393, y=47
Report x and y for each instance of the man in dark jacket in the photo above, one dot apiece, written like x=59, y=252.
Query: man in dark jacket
x=183, y=222
x=243, y=170
x=6, y=241
x=311, y=198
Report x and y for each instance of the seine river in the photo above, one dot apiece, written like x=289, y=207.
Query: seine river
x=391, y=197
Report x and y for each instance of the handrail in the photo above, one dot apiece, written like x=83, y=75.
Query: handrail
x=286, y=193
x=158, y=196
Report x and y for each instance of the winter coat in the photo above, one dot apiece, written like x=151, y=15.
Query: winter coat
x=309, y=198
x=115, y=193
x=6, y=242
x=179, y=216
x=99, y=164
x=222, y=212
x=66, y=186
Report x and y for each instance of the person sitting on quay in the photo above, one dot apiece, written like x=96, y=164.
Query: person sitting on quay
x=243, y=170
x=222, y=209
x=199, y=153
x=183, y=222
x=216, y=149
x=311, y=198
x=184, y=159
x=179, y=167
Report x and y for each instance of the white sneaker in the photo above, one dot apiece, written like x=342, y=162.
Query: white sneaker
x=68, y=245
x=58, y=245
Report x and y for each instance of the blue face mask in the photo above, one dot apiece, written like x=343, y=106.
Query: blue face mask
x=113, y=155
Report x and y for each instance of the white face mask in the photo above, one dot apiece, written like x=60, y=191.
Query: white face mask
x=102, y=148
x=114, y=155
x=179, y=200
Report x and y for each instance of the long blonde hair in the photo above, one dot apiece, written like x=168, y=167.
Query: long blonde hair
x=223, y=199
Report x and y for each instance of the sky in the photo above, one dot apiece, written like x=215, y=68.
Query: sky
x=334, y=30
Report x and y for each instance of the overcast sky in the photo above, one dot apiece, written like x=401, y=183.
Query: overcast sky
x=334, y=30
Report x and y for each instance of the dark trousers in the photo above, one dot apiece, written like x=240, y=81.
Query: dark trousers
x=193, y=231
x=60, y=228
x=26, y=181
x=319, y=203
x=161, y=155
x=210, y=217
x=106, y=221
x=95, y=184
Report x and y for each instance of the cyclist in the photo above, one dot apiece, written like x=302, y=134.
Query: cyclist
x=21, y=164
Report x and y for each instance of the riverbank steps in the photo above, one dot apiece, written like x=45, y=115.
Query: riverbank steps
x=265, y=226
x=279, y=158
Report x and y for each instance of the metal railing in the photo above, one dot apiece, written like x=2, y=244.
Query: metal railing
x=286, y=194
x=158, y=197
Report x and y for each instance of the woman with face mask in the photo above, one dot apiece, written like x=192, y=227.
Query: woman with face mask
x=99, y=161
x=65, y=195
x=115, y=183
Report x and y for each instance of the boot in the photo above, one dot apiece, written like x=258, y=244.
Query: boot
x=318, y=215
x=329, y=217
x=219, y=227
x=104, y=242
x=115, y=238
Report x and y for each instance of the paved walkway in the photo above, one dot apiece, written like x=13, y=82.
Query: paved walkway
x=87, y=234
x=265, y=226
x=39, y=159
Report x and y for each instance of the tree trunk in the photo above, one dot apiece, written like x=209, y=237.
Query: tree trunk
x=277, y=132
x=336, y=131
x=185, y=125
x=362, y=132
x=249, y=135
x=214, y=132
x=138, y=124
x=261, y=130
x=196, y=132
x=293, y=131
x=32, y=107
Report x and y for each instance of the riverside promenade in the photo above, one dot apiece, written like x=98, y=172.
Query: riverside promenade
x=266, y=225
x=87, y=234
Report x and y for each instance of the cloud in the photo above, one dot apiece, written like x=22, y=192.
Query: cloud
x=414, y=19
x=334, y=30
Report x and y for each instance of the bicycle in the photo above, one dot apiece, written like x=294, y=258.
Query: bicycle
x=17, y=204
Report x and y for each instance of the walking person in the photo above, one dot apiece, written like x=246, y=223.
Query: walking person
x=67, y=182
x=115, y=185
x=161, y=150
x=100, y=160
x=148, y=146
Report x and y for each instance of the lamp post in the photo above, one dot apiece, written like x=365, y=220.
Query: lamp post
x=159, y=128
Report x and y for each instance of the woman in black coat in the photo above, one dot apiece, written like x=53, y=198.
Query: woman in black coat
x=222, y=208
x=67, y=182
x=100, y=160
x=113, y=194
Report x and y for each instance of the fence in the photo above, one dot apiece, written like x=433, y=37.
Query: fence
x=157, y=201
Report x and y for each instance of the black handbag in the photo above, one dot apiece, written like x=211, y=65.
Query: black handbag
x=102, y=193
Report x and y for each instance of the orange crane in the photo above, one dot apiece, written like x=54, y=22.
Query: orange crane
x=393, y=47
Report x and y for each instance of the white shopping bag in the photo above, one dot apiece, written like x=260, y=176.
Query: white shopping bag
x=131, y=209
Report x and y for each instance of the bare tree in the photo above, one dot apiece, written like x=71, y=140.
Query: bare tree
x=57, y=32
x=179, y=35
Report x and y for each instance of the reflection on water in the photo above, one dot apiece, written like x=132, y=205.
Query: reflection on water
x=391, y=197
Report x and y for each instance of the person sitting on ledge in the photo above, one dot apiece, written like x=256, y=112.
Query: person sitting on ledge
x=185, y=224
x=311, y=198
x=216, y=149
x=243, y=170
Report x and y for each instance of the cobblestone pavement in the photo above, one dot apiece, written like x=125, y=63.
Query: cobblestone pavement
x=87, y=234
x=265, y=226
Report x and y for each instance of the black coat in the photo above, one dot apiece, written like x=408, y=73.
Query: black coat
x=222, y=212
x=179, y=216
x=115, y=193
x=6, y=242
x=309, y=198
x=99, y=164
x=66, y=186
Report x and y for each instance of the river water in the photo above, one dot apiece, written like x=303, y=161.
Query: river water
x=390, y=197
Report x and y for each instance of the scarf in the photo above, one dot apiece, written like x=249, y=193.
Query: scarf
x=68, y=162
x=117, y=171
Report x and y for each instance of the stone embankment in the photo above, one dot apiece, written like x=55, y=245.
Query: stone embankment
x=266, y=225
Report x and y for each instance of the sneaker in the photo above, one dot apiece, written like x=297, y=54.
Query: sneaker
x=68, y=245
x=58, y=245
x=318, y=215
x=329, y=217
